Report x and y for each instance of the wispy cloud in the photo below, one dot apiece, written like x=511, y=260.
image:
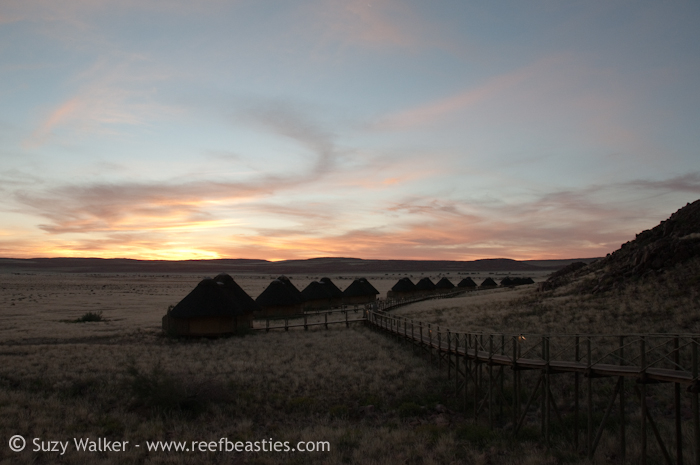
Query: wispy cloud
x=573, y=223
x=287, y=120
x=110, y=94
x=122, y=206
x=433, y=111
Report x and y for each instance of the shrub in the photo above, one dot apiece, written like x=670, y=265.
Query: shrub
x=90, y=317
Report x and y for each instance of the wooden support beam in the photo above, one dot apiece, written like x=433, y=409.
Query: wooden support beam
x=677, y=404
x=694, y=398
x=643, y=397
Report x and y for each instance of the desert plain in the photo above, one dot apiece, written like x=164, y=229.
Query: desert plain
x=365, y=394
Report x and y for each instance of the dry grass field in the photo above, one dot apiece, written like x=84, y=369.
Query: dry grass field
x=366, y=394
x=669, y=303
x=120, y=378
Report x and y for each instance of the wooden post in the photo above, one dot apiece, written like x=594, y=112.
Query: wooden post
x=548, y=396
x=430, y=342
x=694, y=398
x=413, y=339
x=326, y=319
x=502, y=375
x=491, y=381
x=420, y=328
x=642, y=370
x=286, y=324
x=306, y=328
x=456, y=364
x=467, y=369
x=477, y=370
x=543, y=395
x=677, y=404
x=439, y=351
x=267, y=325
x=623, y=439
x=449, y=355
x=589, y=406
x=577, y=381
x=516, y=388
x=347, y=325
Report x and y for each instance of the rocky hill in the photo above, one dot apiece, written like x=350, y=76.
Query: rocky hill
x=674, y=242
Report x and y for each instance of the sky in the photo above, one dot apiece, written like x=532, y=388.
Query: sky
x=441, y=130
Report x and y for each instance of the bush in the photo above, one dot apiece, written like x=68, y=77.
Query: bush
x=90, y=317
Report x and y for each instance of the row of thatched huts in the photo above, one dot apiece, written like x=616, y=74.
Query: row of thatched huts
x=405, y=288
x=220, y=306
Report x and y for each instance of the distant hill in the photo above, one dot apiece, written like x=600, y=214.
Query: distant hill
x=314, y=265
x=670, y=246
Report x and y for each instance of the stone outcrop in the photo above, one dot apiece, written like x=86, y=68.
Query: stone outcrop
x=673, y=242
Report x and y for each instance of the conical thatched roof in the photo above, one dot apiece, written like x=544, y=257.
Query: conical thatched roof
x=425, y=284
x=287, y=282
x=370, y=289
x=488, y=282
x=360, y=287
x=279, y=294
x=214, y=297
x=404, y=285
x=317, y=291
x=507, y=281
x=337, y=293
x=444, y=283
x=236, y=292
x=467, y=282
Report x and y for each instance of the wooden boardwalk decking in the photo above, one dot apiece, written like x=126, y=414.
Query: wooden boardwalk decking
x=477, y=362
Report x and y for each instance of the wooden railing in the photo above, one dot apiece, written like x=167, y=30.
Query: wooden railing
x=308, y=318
x=477, y=362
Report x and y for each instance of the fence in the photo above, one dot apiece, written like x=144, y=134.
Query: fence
x=307, y=319
x=620, y=365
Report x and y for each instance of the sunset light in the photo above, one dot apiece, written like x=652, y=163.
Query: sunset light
x=380, y=130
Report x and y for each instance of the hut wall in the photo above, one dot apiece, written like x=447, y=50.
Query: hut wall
x=359, y=299
x=400, y=295
x=317, y=304
x=279, y=311
x=424, y=293
x=206, y=326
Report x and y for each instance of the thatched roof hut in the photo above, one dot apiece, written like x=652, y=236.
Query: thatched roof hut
x=318, y=295
x=508, y=281
x=215, y=307
x=337, y=293
x=360, y=291
x=468, y=283
x=403, y=289
x=287, y=282
x=425, y=286
x=488, y=282
x=444, y=285
x=280, y=298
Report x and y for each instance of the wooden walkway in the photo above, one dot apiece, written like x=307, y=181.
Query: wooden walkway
x=628, y=366
x=601, y=381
